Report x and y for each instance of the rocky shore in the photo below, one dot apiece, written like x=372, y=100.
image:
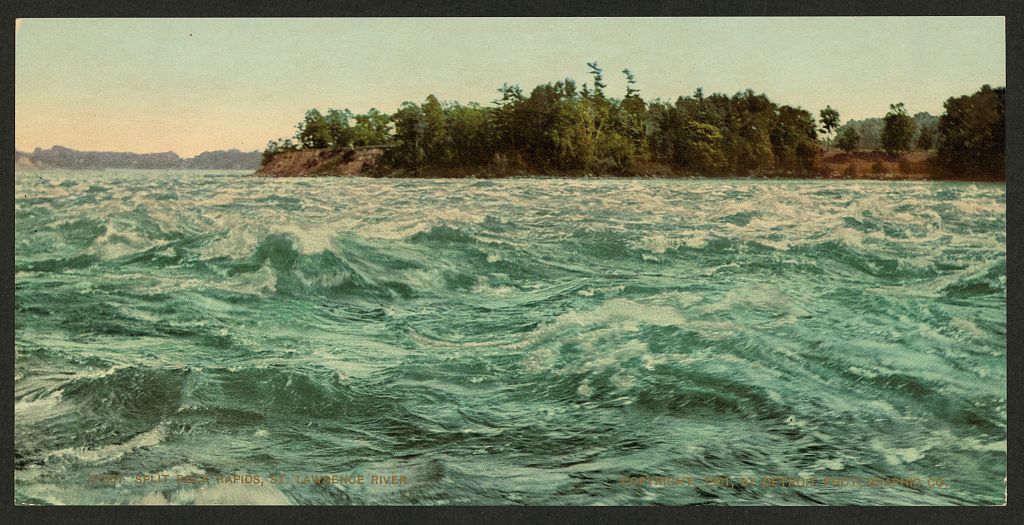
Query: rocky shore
x=366, y=162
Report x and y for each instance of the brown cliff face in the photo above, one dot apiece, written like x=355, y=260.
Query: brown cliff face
x=321, y=163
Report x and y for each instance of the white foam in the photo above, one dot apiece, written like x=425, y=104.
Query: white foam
x=29, y=410
x=107, y=453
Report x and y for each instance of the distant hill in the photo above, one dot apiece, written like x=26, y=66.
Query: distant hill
x=67, y=158
x=231, y=159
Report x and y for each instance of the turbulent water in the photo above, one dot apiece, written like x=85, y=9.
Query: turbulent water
x=529, y=341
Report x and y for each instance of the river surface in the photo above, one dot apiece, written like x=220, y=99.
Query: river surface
x=527, y=341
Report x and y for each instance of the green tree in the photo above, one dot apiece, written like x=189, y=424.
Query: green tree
x=972, y=133
x=338, y=129
x=598, y=75
x=633, y=114
x=579, y=134
x=435, y=132
x=313, y=131
x=409, y=130
x=794, y=139
x=848, y=139
x=702, y=149
x=923, y=120
x=925, y=139
x=829, y=122
x=749, y=119
x=371, y=129
x=470, y=130
x=897, y=130
x=538, y=118
x=508, y=118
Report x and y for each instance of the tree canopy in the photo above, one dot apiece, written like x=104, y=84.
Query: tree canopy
x=561, y=126
x=848, y=139
x=972, y=132
x=898, y=129
x=829, y=120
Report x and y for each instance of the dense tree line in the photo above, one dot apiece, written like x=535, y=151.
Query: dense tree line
x=563, y=126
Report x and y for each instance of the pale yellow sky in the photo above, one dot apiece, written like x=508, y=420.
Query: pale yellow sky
x=190, y=85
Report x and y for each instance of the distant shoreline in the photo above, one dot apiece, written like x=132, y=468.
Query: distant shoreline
x=60, y=157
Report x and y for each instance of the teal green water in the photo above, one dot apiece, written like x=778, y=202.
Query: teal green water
x=507, y=341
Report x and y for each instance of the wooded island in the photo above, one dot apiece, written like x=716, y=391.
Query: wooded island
x=561, y=129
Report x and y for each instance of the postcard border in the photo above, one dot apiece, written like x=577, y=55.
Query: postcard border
x=229, y=8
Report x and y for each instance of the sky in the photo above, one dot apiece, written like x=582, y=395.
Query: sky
x=191, y=85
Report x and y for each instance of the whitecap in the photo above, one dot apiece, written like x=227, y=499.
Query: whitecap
x=113, y=452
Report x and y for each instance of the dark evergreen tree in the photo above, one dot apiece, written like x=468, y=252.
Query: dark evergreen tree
x=829, y=122
x=972, y=133
x=848, y=139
